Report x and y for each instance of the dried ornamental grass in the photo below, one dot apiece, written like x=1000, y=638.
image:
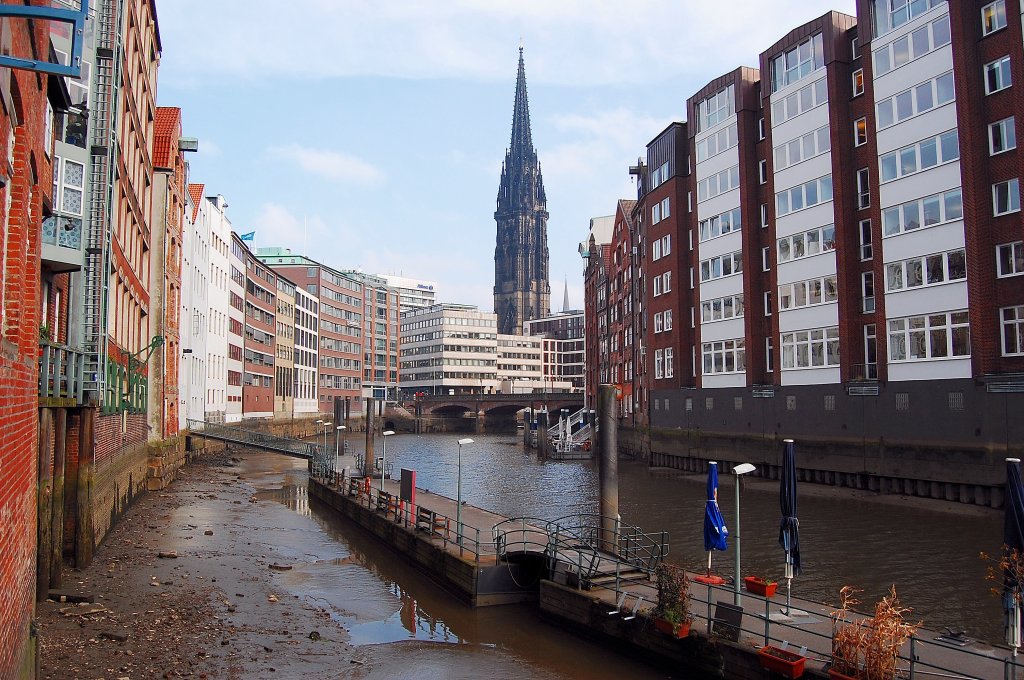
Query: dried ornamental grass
x=673, y=594
x=869, y=648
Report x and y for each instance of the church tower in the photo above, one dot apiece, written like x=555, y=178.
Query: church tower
x=521, y=287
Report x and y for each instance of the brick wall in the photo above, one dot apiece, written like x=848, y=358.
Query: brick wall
x=21, y=215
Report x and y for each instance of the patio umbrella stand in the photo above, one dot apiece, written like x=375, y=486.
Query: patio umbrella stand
x=715, y=532
x=789, y=528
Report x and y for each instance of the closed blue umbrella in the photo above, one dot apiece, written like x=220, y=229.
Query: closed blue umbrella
x=1013, y=539
x=715, y=532
x=789, y=527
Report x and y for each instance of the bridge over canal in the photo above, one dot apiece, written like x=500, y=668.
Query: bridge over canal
x=486, y=412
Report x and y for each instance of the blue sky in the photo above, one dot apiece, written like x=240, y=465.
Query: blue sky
x=382, y=127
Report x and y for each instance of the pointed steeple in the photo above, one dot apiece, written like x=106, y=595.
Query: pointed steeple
x=565, y=299
x=522, y=140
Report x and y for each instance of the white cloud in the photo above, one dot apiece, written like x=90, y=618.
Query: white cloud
x=572, y=42
x=332, y=165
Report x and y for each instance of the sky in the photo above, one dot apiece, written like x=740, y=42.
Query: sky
x=370, y=135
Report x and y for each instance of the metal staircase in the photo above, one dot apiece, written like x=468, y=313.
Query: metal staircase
x=103, y=154
x=572, y=434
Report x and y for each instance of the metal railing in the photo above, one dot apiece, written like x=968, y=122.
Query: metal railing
x=61, y=375
x=322, y=456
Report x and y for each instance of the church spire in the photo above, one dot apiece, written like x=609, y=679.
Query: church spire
x=521, y=288
x=565, y=299
x=522, y=140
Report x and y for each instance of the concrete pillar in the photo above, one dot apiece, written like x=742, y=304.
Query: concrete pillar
x=60, y=435
x=608, y=467
x=371, y=425
x=480, y=423
x=83, y=512
x=44, y=501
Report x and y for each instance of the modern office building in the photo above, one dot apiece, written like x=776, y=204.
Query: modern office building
x=412, y=293
x=259, y=347
x=381, y=305
x=564, y=346
x=284, y=362
x=235, y=366
x=307, y=334
x=449, y=349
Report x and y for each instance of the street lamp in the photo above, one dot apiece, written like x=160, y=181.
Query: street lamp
x=738, y=470
x=327, y=427
x=337, y=430
x=384, y=455
x=458, y=492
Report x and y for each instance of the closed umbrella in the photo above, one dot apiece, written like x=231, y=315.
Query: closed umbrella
x=789, y=526
x=715, y=532
x=1013, y=539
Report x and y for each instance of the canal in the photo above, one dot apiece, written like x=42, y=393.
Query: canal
x=930, y=552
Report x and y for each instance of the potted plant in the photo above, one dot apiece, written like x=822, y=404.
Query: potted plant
x=781, y=661
x=868, y=648
x=765, y=587
x=672, y=615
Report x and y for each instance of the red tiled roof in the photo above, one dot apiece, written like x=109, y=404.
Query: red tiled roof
x=166, y=130
x=195, y=191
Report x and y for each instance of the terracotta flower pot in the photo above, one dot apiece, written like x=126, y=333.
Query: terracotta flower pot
x=678, y=630
x=785, y=663
x=758, y=586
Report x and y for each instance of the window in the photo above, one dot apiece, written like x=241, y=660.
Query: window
x=762, y=172
x=926, y=270
x=855, y=48
x=926, y=154
x=858, y=82
x=870, y=352
x=659, y=363
x=797, y=62
x=890, y=14
x=764, y=215
x=1002, y=136
x=807, y=293
x=800, y=149
x=656, y=249
x=863, y=188
x=860, y=132
x=804, y=99
x=718, y=225
x=719, y=309
x=668, y=319
x=715, y=109
x=815, y=348
x=657, y=286
x=864, y=231
x=931, y=336
x=665, y=212
x=766, y=263
x=925, y=212
x=806, y=243
x=918, y=99
x=658, y=323
x=760, y=128
x=669, y=363
x=712, y=145
x=1010, y=258
x=768, y=359
x=717, y=267
x=1012, y=319
x=72, y=180
x=718, y=183
x=666, y=282
x=724, y=356
x=993, y=17
x=997, y=75
x=804, y=195
x=768, y=303
x=867, y=289
x=908, y=47
x=656, y=213
x=1006, y=197
x=666, y=244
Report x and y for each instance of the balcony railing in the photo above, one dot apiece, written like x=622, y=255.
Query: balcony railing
x=61, y=375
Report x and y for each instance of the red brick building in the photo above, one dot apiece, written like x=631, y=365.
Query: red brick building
x=169, y=173
x=260, y=345
x=26, y=125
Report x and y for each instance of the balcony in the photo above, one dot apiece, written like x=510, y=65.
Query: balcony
x=61, y=376
x=62, y=244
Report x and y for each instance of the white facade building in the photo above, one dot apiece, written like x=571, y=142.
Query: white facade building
x=412, y=293
x=307, y=334
x=195, y=307
x=218, y=300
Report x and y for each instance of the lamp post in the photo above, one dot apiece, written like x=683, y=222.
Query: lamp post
x=458, y=490
x=384, y=455
x=337, y=431
x=738, y=470
x=327, y=427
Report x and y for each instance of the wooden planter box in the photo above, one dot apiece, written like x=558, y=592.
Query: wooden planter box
x=677, y=630
x=758, y=586
x=785, y=663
